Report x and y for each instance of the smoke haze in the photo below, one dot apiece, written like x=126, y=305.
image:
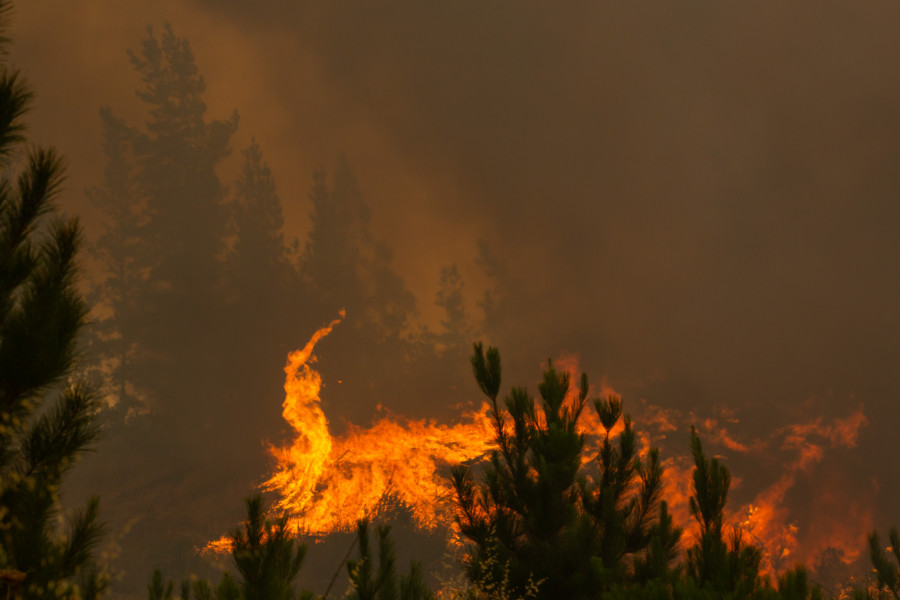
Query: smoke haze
x=699, y=200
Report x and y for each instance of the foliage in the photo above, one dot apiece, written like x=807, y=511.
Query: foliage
x=259, y=254
x=158, y=588
x=159, y=265
x=369, y=583
x=344, y=266
x=41, y=313
x=794, y=584
x=266, y=555
x=200, y=589
x=731, y=567
x=887, y=573
x=539, y=520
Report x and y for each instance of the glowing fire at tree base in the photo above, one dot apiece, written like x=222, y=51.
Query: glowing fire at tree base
x=326, y=484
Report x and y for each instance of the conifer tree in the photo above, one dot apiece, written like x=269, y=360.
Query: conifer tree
x=258, y=260
x=331, y=261
x=794, y=584
x=345, y=266
x=41, y=313
x=117, y=328
x=165, y=237
x=267, y=556
x=541, y=524
x=723, y=567
x=159, y=588
x=888, y=573
x=380, y=582
x=261, y=283
x=177, y=157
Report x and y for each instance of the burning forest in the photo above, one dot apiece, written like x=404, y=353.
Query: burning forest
x=325, y=484
x=704, y=223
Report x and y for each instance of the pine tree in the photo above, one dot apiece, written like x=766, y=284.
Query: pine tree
x=165, y=237
x=887, y=572
x=794, y=584
x=118, y=325
x=723, y=567
x=380, y=582
x=41, y=313
x=266, y=555
x=159, y=588
x=541, y=525
x=177, y=158
x=345, y=266
x=259, y=259
x=332, y=261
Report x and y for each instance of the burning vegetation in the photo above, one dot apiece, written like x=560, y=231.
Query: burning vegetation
x=562, y=489
x=558, y=496
x=328, y=484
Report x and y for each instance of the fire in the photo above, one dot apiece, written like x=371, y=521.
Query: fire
x=326, y=484
x=767, y=521
x=767, y=518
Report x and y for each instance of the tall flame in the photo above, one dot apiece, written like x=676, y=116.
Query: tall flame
x=327, y=483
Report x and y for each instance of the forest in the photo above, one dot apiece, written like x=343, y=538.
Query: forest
x=142, y=366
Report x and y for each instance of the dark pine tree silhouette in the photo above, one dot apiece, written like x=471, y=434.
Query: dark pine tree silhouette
x=344, y=266
x=888, y=573
x=41, y=313
x=166, y=338
x=165, y=241
x=259, y=270
x=723, y=567
x=538, y=524
x=266, y=554
x=381, y=582
x=177, y=157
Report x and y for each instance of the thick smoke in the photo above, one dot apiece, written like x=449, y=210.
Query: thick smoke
x=700, y=200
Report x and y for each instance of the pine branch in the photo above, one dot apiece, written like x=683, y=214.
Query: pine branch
x=61, y=434
x=83, y=539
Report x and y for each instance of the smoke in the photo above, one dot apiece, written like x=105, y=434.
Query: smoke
x=698, y=199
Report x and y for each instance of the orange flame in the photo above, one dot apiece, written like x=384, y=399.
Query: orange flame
x=327, y=484
x=767, y=521
x=767, y=518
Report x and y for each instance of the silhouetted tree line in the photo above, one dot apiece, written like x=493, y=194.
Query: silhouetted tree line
x=196, y=270
x=537, y=521
x=542, y=522
x=199, y=296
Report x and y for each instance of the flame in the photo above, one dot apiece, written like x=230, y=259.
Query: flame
x=785, y=537
x=326, y=484
x=767, y=518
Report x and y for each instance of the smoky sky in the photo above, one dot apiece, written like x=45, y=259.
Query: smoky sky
x=699, y=199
